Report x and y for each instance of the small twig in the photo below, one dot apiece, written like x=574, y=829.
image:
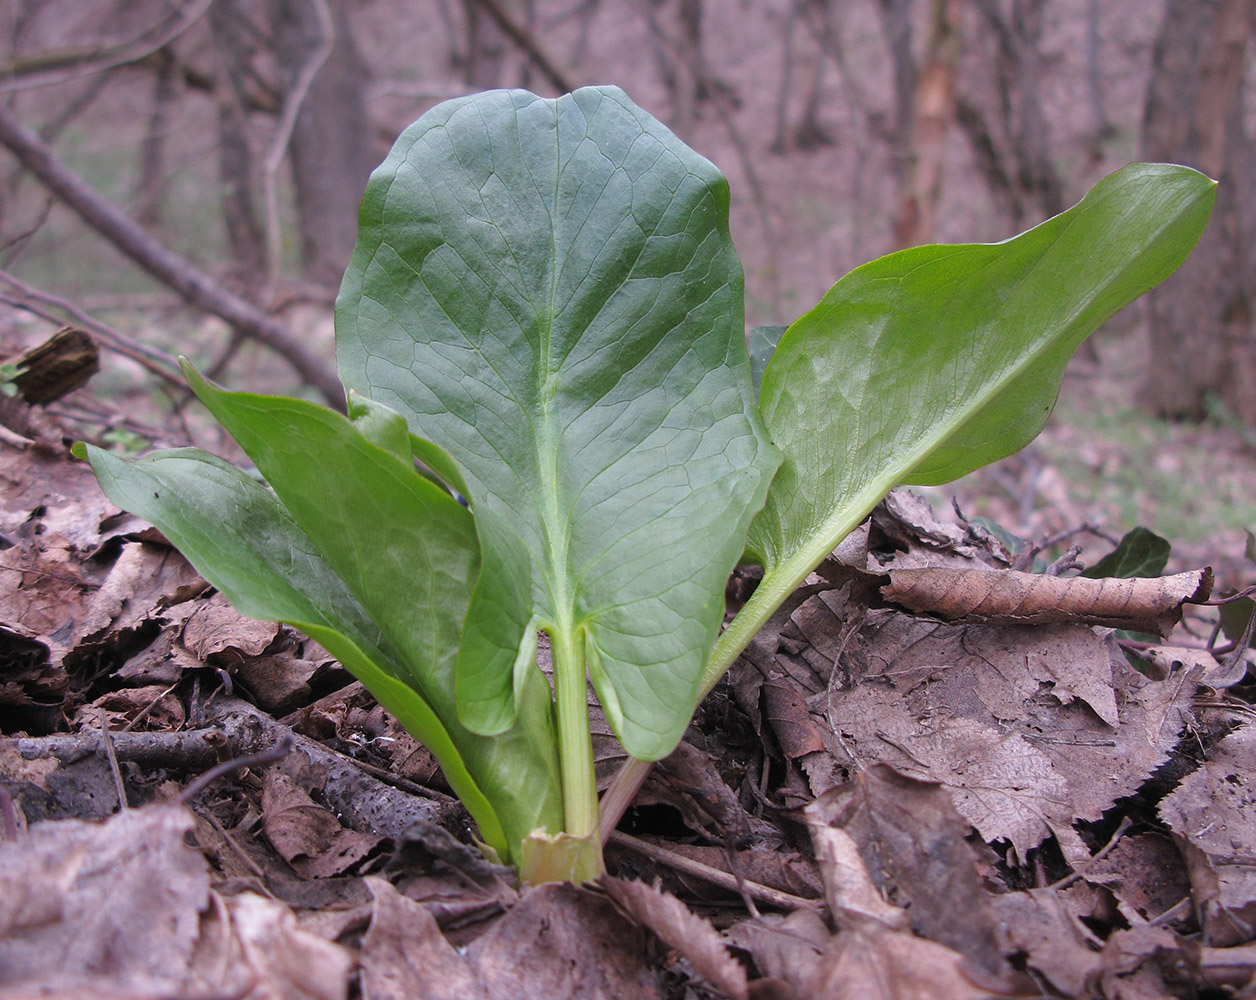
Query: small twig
x=193, y=285
x=743, y=889
x=715, y=876
x=123, y=804
x=521, y=37
x=1107, y=848
x=1217, y=601
x=278, y=752
x=1066, y=562
x=148, y=708
x=252, y=865
x=14, y=440
x=128, y=53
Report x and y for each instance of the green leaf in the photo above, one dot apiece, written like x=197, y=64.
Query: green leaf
x=1140, y=553
x=369, y=558
x=762, y=341
x=929, y=363
x=547, y=290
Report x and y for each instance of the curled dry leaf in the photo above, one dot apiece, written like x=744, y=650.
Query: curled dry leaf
x=682, y=930
x=960, y=595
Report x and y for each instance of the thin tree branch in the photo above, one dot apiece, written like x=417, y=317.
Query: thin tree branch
x=192, y=284
x=521, y=37
x=158, y=362
x=41, y=69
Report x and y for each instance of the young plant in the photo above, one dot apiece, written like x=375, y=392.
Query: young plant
x=543, y=320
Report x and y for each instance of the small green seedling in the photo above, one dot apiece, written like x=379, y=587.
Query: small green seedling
x=554, y=425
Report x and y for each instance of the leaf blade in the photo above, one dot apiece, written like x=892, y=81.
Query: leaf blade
x=559, y=306
x=991, y=326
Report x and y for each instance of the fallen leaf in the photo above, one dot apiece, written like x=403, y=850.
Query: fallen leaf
x=216, y=627
x=874, y=962
x=260, y=952
x=120, y=899
x=682, y=930
x=306, y=835
x=912, y=842
x=1041, y=929
x=560, y=942
x=1212, y=814
x=1140, y=604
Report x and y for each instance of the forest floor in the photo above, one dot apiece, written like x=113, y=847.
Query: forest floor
x=878, y=803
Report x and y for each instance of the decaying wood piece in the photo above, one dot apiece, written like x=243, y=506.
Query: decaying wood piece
x=62, y=363
x=965, y=596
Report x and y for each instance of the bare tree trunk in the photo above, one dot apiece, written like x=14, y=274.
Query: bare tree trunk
x=332, y=147
x=150, y=189
x=933, y=111
x=1202, y=343
x=235, y=48
x=1010, y=140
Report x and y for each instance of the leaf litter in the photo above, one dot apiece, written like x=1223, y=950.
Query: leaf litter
x=879, y=802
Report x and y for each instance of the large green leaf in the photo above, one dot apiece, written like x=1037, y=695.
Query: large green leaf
x=365, y=555
x=931, y=362
x=547, y=290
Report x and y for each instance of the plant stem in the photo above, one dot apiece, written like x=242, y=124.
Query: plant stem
x=771, y=593
x=575, y=744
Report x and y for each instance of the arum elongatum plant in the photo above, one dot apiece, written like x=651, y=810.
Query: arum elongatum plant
x=554, y=426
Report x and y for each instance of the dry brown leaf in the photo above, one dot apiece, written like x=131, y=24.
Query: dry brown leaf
x=1014, y=720
x=216, y=627
x=912, y=842
x=257, y=950
x=307, y=836
x=1145, y=873
x=121, y=898
x=873, y=962
x=1146, y=963
x=849, y=892
x=405, y=956
x=559, y=943
x=1007, y=596
x=1212, y=813
x=1042, y=927
x=682, y=930
x=785, y=950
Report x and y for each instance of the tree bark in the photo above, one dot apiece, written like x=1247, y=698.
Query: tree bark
x=1202, y=344
x=234, y=48
x=332, y=148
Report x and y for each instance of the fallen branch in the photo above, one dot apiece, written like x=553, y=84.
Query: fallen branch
x=193, y=285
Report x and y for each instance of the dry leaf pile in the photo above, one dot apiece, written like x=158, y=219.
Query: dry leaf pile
x=931, y=776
